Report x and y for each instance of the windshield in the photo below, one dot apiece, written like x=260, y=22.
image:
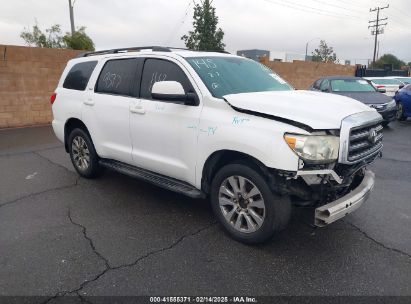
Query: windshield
x=233, y=75
x=351, y=85
x=386, y=81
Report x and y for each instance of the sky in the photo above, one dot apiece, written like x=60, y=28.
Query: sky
x=276, y=25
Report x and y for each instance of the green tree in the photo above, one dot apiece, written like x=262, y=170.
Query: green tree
x=205, y=36
x=79, y=40
x=389, y=59
x=324, y=53
x=54, y=38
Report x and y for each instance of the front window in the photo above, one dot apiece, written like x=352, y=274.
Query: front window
x=351, y=85
x=233, y=75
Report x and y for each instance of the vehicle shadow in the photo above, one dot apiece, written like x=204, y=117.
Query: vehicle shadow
x=138, y=198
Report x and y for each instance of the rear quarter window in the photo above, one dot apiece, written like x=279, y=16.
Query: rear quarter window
x=117, y=77
x=79, y=75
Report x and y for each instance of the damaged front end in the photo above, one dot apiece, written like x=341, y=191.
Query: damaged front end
x=338, y=188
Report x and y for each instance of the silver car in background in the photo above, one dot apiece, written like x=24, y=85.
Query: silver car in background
x=385, y=85
x=404, y=80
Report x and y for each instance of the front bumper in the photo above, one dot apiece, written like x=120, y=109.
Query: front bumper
x=343, y=206
x=389, y=114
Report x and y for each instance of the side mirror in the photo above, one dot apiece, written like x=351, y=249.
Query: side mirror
x=324, y=90
x=401, y=86
x=172, y=91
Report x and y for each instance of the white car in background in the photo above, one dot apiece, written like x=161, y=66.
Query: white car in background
x=404, y=80
x=385, y=85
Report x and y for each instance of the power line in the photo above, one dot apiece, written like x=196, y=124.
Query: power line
x=338, y=6
x=377, y=27
x=181, y=23
x=350, y=3
x=313, y=10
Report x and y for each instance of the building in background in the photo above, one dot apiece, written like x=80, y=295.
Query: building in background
x=254, y=54
x=284, y=56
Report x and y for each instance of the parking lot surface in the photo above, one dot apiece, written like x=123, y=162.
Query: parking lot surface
x=65, y=235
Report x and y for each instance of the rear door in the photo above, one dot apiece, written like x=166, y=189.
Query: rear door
x=106, y=112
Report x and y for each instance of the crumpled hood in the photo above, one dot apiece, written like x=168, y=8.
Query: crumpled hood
x=317, y=110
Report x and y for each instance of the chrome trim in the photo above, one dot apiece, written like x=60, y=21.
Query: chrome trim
x=362, y=119
x=343, y=206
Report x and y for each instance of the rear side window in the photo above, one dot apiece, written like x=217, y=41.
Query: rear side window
x=79, y=75
x=162, y=70
x=117, y=77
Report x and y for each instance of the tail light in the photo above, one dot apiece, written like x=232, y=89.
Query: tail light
x=53, y=98
x=380, y=87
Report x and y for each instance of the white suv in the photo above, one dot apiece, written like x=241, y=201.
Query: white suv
x=216, y=125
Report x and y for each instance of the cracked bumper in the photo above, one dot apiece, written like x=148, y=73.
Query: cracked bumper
x=343, y=206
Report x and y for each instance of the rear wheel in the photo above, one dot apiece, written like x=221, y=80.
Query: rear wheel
x=83, y=155
x=246, y=206
x=400, y=111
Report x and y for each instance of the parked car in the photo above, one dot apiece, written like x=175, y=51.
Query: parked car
x=385, y=85
x=361, y=90
x=404, y=80
x=403, y=99
x=215, y=125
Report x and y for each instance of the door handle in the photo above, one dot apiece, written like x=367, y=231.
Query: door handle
x=137, y=109
x=89, y=102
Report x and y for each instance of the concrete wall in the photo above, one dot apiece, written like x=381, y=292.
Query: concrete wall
x=301, y=74
x=28, y=77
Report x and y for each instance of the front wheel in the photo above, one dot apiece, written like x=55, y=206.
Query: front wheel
x=245, y=205
x=400, y=112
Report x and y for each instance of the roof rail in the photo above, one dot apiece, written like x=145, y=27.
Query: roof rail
x=131, y=49
x=137, y=48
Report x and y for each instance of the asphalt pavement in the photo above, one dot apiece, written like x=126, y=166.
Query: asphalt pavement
x=116, y=236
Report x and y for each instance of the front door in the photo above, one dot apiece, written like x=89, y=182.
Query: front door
x=164, y=134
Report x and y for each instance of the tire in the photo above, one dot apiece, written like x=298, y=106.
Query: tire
x=250, y=219
x=400, y=112
x=83, y=155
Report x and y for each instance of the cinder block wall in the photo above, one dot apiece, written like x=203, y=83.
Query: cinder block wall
x=302, y=74
x=28, y=77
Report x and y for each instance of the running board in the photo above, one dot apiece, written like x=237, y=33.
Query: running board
x=153, y=178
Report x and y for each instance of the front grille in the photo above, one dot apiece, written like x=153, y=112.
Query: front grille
x=365, y=141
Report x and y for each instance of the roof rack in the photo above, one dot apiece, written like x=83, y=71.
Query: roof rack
x=128, y=49
x=135, y=49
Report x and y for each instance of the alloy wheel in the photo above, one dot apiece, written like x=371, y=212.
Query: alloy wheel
x=81, y=153
x=242, y=204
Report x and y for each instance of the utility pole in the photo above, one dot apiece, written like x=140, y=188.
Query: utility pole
x=377, y=28
x=71, y=17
